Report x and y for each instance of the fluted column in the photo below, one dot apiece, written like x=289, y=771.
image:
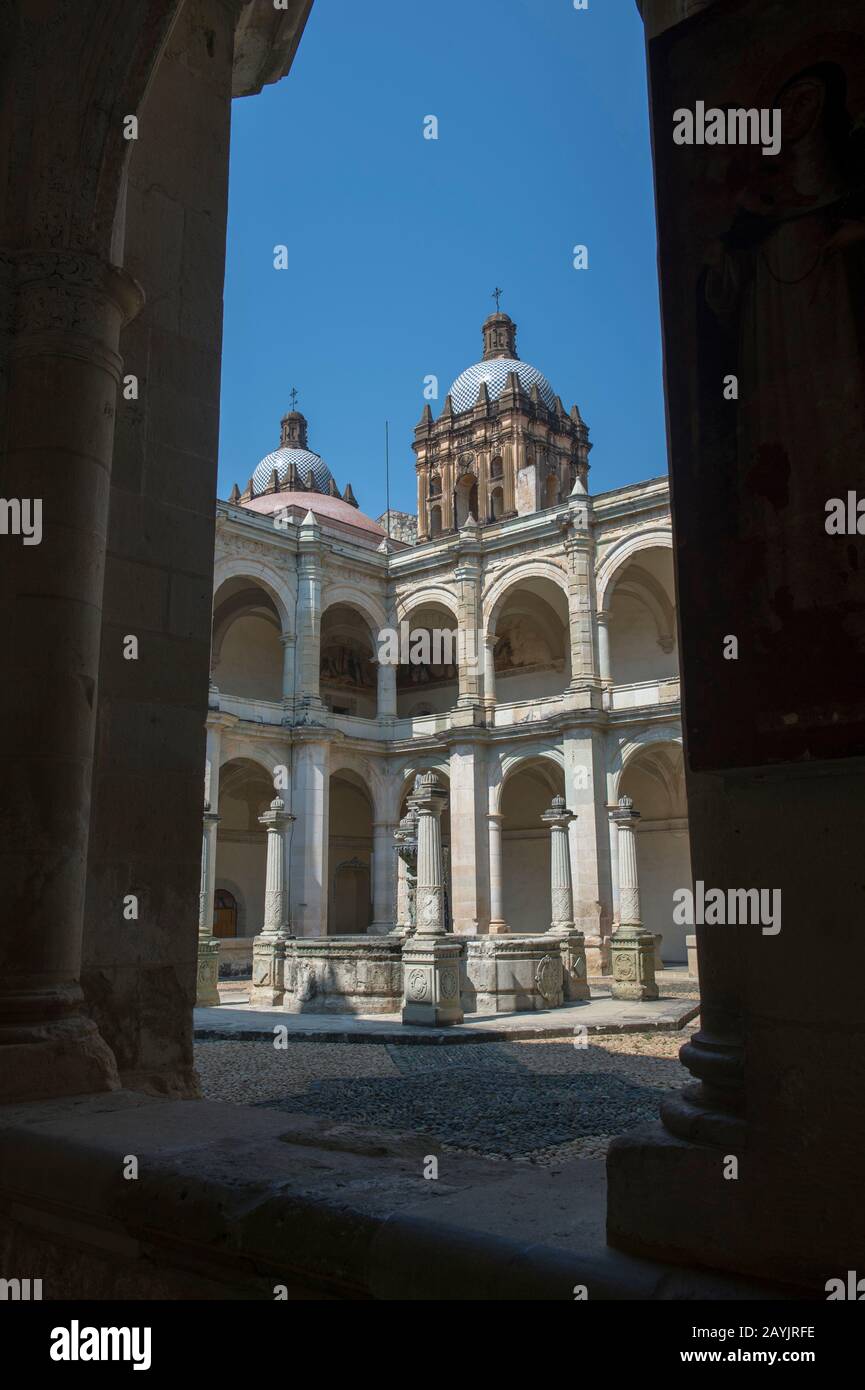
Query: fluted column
x=270, y=947
x=498, y=925
x=62, y=373
x=206, y=992
x=572, y=942
x=431, y=958
x=558, y=819
x=633, y=949
x=275, y=820
x=430, y=799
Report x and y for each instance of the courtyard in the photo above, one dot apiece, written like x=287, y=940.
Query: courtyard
x=534, y=1100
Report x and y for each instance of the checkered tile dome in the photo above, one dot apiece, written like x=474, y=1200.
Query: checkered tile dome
x=464, y=392
x=304, y=460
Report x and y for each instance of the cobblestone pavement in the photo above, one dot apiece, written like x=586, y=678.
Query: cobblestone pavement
x=538, y=1101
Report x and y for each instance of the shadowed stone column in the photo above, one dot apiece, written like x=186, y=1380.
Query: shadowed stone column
x=573, y=944
x=633, y=948
x=63, y=373
x=431, y=958
x=206, y=993
x=268, y=950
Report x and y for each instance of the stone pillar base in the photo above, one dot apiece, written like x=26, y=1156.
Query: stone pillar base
x=574, y=968
x=431, y=980
x=206, y=993
x=633, y=953
x=499, y=927
x=268, y=970
x=658, y=958
x=64, y=1057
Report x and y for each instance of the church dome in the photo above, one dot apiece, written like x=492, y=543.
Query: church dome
x=499, y=360
x=310, y=466
x=495, y=371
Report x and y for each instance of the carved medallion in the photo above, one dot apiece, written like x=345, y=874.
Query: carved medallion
x=548, y=977
x=448, y=984
x=418, y=985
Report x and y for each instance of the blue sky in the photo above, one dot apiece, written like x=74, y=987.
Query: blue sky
x=395, y=243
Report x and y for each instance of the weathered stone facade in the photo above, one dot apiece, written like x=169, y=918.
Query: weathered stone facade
x=562, y=680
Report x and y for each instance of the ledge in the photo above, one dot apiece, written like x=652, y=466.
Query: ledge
x=232, y=1200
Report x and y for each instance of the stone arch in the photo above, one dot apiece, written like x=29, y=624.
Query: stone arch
x=351, y=820
x=653, y=775
x=428, y=596
x=268, y=578
x=519, y=760
x=617, y=558
x=631, y=748
x=246, y=657
x=515, y=575
x=350, y=596
x=528, y=786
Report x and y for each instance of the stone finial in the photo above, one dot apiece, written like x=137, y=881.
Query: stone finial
x=277, y=804
x=273, y=486
x=332, y=489
x=234, y=495
x=349, y=497
x=426, y=419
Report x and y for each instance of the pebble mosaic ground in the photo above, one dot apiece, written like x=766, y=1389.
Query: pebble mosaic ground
x=529, y=1101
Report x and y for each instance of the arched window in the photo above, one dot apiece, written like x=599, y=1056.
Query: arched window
x=497, y=503
x=435, y=521
x=496, y=468
x=435, y=485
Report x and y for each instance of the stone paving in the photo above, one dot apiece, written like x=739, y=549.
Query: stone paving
x=530, y=1101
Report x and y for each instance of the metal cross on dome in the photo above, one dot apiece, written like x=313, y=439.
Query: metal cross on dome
x=496, y=295
x=292, y=396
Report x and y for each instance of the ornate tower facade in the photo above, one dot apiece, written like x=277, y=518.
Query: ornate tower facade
x=503, y=446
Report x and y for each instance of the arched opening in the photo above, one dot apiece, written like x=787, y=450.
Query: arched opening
x=435, y=521
x=466, y=499
x=245, y=792
x=497, y=503
x=224, y=913
x=435, y=486
x=532, y=651
x=526, y=795
x=655, y=780
x=434, y=681
x=642, y=622
x=496, y=467
x=551, y=491
x=350, y=841
x=246, y=651
x=347, y=673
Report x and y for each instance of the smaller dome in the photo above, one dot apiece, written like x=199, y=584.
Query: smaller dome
x=323, y=508
x=495, y=371
x=305, y=461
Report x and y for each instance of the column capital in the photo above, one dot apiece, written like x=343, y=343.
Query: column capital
x=558, y=814
x=276, y=816
x=623, y=813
